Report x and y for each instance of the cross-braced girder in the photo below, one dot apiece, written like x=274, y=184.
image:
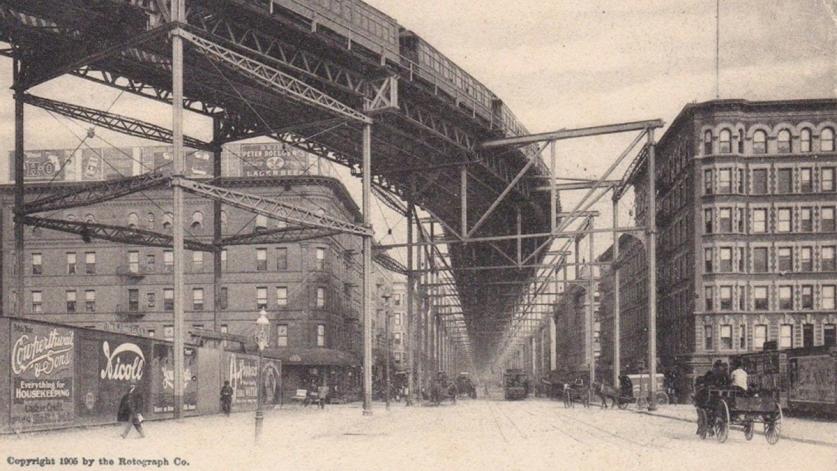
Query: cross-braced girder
x=97, y=192
x=279, y=236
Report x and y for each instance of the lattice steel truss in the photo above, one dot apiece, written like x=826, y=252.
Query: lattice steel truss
x=97, y=192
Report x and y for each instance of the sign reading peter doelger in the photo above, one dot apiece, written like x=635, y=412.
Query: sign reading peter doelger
x=42, y=375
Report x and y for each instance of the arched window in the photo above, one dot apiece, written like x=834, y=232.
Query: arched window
x=741, y=141
x=261, y=223
x=725, y=142
x=70, y=217
x=89, y=218
x=149, y=220
x=760, y=142
x=805, y=140
x=168, y=218
x=783, y=141
x=827, y=140
x=133, y=220
x=707, y=142
x=197, y=220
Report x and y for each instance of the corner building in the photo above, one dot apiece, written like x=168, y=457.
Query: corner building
x=746, y=230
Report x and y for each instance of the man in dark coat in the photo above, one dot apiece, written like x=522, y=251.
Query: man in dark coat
x=130, y=411
x=226, y=397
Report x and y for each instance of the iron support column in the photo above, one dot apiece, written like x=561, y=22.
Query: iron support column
x=411, y=323
x=553, y=194
x=387, y=353
x=463, y=190
x=616, y=365
x=652, y=274
x=367, y=271
x=590, y=299
x=519, y=227
x=20, y=256
x=178, y=15
x=216, y=226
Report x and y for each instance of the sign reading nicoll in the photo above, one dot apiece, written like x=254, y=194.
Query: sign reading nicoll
x=125, y=363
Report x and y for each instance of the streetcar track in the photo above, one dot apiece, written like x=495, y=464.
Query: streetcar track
x=514, y=424
x=605, y=431
x=555, y=427
x=497, y=424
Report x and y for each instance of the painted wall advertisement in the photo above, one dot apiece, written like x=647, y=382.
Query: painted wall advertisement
x=160, y=158
x=42, y=362
x=43, y=165
x=242, y=373
x=107, y=163
x=813, y=379
x=162, y=379
x=273, y=160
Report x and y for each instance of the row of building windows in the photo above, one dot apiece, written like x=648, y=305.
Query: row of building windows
x=807, y=140
x=785, y=180
x=808, y=297
x=726, y=341
x=787, y=219
x=786, y=259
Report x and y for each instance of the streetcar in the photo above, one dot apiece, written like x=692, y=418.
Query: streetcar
x=515, y=384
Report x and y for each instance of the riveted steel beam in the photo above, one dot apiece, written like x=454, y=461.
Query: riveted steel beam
x=97, y=192
x=278, y=236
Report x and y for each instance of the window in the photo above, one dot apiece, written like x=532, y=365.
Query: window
x=197, y=261
x=261, y=297
x=759, y=336
x=197, y=220
x=168, y=332
x=806, y=220
x=133, y=220
x=707, y=142
x=786, y=336
x=89, y=218
x=223, y=259
x=707, y=260
x=149, y=221
x=785, y=297
x=321, y=335
x=760, y=260
x=805, y=183
x=282, y=258
x=223, y=219
x=726, y=337
x=725, y=220
x=726, y=259
x=741, y=259
x=725, y=181
x=168, y=299
x=37, y=302
x=827, y=297
x=224, y=298
x=282, y=295
x=319, y=263
x=197, y=299
x=151, y=299
x=37, y=264
x=827, y=140
x=805, y=140
x=784, y=180
x=827, y=258
x=261, y=223
x=827, y=179
x=90, y=263
x=320, y=297
x=726, y=298
x=829, y=334
x=759, y=142
x=827, y=219
x=707, y=337
x=261, y=259
x=707, y=221
x=760, y=298
x=90, y=300
x=70, y=296
x=759, y=221
x=807, y=297
x=167, y=221
x=133, y=300
x=785, y=220
x=150, y=261
x=785, y=259
x=396, y=299
x=133, y=261
x=168, y=260
x=71, y=263
x=807, y=335
x=783, y=141
x=760, y=181
x=725, y=142
x=397, y=338
x=707, y=298
x=742, y=337
x=805, y=260
x=707, y=182
x=282, y=335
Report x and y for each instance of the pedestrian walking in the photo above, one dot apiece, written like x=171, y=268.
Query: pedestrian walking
x=226, y=397
x=130, y=411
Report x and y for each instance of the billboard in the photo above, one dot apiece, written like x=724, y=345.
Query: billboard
x=107, y=163
x=43, y=165
x=242, y=373
x=813, y=379
x=160, y=158
x=162, y=379
x=273, y=160
x=42, y=367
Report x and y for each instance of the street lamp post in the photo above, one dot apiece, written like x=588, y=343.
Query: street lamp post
x=388, y=385
x=262, y=337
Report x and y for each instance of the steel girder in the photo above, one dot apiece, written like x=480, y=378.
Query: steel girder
x=272, y=78
x=278, y=236
x=114, y=122
x=95, y=193
x=270, y=208
x=120, y=234
x=391, y=264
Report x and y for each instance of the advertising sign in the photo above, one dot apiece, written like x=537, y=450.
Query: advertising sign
x=42, y=165
x=107, y=163
x=813, y=379
x=242, y=373
x=160, y=158
x=42, y=364
x=162, y=379
x=273, y=160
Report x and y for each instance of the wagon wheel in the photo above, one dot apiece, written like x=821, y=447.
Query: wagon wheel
x=662, y=398
x=722, y=422
x=702, y=424
x=749, y=429
x=621, y=403
x=773, y=426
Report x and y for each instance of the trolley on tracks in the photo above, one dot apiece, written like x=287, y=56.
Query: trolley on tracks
x=724, y=408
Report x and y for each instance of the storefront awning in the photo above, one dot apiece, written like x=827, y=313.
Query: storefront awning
x=312, y=357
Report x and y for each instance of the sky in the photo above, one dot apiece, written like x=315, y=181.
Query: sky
x=557, y=64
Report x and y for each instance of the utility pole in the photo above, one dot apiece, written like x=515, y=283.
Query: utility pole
x=616, y=300
x=179, y=164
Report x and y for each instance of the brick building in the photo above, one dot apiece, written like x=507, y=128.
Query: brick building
x=572, y=325
x=746, y=224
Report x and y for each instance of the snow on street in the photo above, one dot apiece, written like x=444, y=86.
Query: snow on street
x=472, y=435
